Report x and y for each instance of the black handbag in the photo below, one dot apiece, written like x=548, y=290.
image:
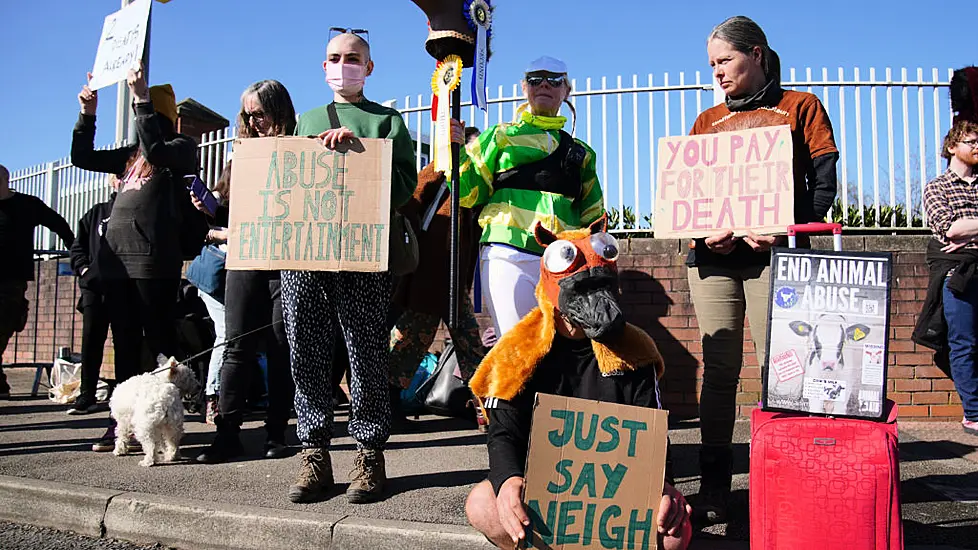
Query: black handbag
x=444, y=393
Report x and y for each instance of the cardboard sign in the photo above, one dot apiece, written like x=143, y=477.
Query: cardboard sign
x=729, y=180
x=122, y=43
x=828, y=332
x=594, y=474
x=300, y=206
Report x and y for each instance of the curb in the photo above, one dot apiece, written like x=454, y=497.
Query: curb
x=188, y=524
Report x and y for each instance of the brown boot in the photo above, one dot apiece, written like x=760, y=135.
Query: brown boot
x=315, y=477
x=368, y=477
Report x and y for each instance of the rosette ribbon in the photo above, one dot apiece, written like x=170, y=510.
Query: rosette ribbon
x=447, y=76
x=479, y=15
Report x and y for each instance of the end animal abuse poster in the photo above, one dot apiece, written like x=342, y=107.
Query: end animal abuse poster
x=827, y=332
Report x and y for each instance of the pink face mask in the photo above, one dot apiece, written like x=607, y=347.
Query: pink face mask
x=346, y=78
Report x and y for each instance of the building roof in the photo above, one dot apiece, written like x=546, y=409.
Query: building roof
x=190, y=107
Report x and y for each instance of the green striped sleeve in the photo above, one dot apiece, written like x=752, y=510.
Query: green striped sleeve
x=592, y=201
x=477, y=168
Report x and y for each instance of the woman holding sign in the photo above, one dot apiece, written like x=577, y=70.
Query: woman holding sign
x=728, y=275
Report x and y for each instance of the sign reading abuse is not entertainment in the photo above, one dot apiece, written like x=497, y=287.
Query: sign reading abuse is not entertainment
x=300, y=206
x=594, y=474
x=735, y=181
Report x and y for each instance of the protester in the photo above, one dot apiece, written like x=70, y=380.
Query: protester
x=19, y=215
x=317, y=304
x=151, y=218
x=85, y=252
x=522, y=172
x=952, y=298
x=964, y=94
x=253, y=301
x=575, y=343
x=422, y=296
x=728, y=275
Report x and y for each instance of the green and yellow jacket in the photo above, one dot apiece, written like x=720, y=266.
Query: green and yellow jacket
x=508, y=214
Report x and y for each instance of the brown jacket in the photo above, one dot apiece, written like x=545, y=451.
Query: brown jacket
x=426, y=290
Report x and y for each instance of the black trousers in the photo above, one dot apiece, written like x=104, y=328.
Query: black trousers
x=95, y=329
x=141, y=310
x=253, y=299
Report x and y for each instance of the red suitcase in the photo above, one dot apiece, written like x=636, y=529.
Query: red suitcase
x=819, y=482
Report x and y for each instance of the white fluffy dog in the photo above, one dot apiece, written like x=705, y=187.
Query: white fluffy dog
x=150, y=407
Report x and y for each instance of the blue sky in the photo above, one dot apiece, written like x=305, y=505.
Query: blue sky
x=211, y=49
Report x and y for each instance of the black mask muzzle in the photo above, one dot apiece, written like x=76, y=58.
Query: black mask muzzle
x=589, y=299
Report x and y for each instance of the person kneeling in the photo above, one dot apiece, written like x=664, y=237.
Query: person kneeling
x=576, y=343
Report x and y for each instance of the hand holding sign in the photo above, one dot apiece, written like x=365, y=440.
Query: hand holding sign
x=121, y=44
x=673, y=512
x=88, y=98
x=458, y=132
x=333, y=137
x=509, y=507
x=721, y=243
x=760, y=243
x=136, y=79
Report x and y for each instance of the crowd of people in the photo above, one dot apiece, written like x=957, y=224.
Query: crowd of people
x=516, y=178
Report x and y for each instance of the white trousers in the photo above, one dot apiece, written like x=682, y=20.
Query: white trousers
x=509, y=281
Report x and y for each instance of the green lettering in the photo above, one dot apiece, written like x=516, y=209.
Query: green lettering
x=298, y=237
x=242, y=239
x=614, y=477
x=324, y=166
x=339, y=159
x=586, y=480
x=635, y=526
x=346, y=204
x=581, y=442
x=614, y=537
x=545, y=529
x=255, y=240
x=335, y=233
x=286, y=239
x=354, y=242
x=275, y=241
x=562, y=468
x=379, y=228
x=310, y=206
x=265, y=229
x=367, y=248
x=273, y=172
x=558, y=439
x=289, y=163
x=328, y=205
x=319, y=255
x=302, y=171
x=566, y=520
x=633, y=427
x=307, y=254
x=265, y=195
x=279, y=198
x=589, y=524
x=609, y=425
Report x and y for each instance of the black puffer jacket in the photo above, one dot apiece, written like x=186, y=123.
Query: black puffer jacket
x=86, y=249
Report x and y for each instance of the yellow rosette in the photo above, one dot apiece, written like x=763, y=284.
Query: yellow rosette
x=447, y=77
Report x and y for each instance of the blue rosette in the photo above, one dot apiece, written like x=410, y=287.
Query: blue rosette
x=478, y=13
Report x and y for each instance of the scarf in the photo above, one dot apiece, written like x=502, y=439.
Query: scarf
x=768, y=96
x=543, y=122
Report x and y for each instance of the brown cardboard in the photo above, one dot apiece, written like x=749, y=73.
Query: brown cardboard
x=300, y=206
x=728, y=180
x=564, y=520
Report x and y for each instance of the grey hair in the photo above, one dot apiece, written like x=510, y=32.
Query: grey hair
x=744, y=35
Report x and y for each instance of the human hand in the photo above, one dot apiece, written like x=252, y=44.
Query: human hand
x=760, y=243
x=218, y=235
x=673, y=511
x=458, y=132
x=509, y=508
x=136, y=79
x=722, y=243
x=88, y=98
x=954, y=246
x=197, y=204
x=333, y=137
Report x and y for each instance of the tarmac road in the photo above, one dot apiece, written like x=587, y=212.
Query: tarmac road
x=28, y=537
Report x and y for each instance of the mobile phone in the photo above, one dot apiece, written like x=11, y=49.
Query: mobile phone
x=202, y=193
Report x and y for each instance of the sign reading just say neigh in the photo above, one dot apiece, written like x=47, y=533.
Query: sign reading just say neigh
x=735, y=181
x=300, y=206
x=594, y=474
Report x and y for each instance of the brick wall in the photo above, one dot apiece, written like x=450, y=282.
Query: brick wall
x=656, y=298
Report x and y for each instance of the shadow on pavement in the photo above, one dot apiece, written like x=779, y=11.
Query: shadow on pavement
x=913, y=451
x=457, y=478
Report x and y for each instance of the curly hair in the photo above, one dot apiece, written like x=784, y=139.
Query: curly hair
x=959, y=131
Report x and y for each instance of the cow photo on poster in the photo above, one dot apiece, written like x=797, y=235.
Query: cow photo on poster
x=828, y=332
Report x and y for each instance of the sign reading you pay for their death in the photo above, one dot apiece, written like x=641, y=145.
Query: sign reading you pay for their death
x=594, y=474
x=121, y=46
x=300, y=206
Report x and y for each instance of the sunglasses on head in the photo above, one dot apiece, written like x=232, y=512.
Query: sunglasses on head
x=362, y=33
x=554, y=81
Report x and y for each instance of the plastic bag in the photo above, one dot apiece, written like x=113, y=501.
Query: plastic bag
x=65, y=381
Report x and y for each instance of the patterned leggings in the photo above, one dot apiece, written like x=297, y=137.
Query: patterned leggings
x=316, y=304
x=414, y=332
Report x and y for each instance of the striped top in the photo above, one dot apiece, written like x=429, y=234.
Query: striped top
x=508, y=214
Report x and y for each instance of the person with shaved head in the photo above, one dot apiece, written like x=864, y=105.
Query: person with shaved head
x=19, y=215
x=319, y=305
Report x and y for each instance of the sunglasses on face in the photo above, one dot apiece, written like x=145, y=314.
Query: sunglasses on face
x=257, y=116
x=554, y=81
x=362, y=33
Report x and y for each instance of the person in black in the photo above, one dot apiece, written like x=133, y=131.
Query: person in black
x=95, y=317
x=560, y=345
x=252, y=300
x=147, y=227
x=19, y=215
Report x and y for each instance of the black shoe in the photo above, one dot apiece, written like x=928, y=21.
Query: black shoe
x=106, y=443
x=224, y=447
x=716, y=467
x=276, y=449
x=83, y=405
x=4, y=387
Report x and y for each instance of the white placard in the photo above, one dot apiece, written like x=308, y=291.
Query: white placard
x=121, y=46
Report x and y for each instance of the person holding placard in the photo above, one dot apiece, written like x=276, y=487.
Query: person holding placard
x=317, y=304
x=151, y=220
x=522, y=172
x=252, y=300
x=728, y=275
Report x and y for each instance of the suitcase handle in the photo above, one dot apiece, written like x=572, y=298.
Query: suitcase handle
x=815, y=228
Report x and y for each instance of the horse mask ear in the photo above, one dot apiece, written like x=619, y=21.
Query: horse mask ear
x=543, y=235
x=599, y=225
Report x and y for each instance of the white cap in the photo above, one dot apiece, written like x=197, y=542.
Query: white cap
x=547, y=64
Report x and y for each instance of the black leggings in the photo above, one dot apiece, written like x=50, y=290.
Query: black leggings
x=141, y=310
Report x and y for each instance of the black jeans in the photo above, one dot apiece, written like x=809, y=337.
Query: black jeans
x=253, y=299
x=141, y=309
x=95, y=329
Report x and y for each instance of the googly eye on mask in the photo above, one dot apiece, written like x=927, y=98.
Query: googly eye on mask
x=559, y=256
x=605, y=245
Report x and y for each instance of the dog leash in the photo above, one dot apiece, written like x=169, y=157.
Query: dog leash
x=222, y=344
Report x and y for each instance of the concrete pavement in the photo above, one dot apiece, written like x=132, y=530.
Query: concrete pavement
x=49, y=477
